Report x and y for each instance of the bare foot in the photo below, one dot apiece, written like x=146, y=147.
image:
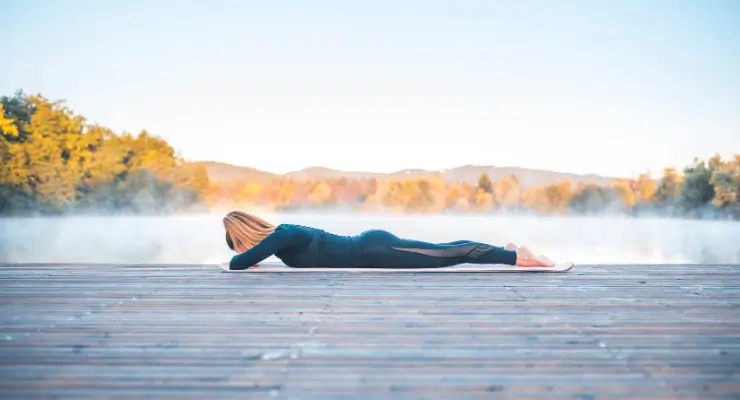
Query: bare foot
x=527, y=258
x=547, y=259
x=511, y=246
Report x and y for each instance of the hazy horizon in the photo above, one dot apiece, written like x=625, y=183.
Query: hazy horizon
x=411, y=167
x=199, y=239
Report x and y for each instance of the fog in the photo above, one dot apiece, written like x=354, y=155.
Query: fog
x=200, y=239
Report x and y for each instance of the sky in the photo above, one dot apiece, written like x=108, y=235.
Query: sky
x=615, y=88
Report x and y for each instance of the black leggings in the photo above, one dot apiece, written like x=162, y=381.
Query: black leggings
x=382, y=249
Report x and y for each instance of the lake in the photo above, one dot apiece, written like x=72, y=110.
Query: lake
x=200, y=239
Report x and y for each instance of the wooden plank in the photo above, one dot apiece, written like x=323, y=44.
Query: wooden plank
x=178, y=331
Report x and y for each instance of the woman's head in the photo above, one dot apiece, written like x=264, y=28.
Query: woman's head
x=244, y=231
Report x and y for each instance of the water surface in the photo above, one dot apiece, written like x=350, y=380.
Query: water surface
x=200, y=239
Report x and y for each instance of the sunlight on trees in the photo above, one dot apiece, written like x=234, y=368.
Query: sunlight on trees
x=53, y=161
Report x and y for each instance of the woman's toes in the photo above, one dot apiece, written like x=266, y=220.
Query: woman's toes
x=547, y=261
x=527, y=258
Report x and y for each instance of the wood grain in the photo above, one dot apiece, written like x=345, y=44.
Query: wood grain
x=190, y=331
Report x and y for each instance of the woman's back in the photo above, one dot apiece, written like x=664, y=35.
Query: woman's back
x=300, y=246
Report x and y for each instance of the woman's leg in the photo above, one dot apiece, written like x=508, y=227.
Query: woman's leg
x=382, y=249
x=509, y=246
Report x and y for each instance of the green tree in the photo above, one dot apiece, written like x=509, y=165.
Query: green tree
x=593, y=199
x=697, y=189
x=485, y=184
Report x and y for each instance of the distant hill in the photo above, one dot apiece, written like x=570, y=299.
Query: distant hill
x=316, y=173
x=525, y=176
x=221, y=172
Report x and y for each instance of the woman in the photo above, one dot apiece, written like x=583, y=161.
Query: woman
x=303, y=247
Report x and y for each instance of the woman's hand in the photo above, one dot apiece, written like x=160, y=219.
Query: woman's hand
x=226, y=266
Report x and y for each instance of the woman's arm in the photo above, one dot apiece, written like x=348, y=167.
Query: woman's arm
x=276, y=241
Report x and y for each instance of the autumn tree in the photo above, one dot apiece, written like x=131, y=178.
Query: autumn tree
x=558, y=196
x=483, y=199
x=626, y=192
x=535, y=199
x=508, y=193
x=54, y=161
x=645, y=188
x=319, y=194
x=726, y=182
x=669, y=187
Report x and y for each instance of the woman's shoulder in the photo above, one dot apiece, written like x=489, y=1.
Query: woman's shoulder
x=294, y=235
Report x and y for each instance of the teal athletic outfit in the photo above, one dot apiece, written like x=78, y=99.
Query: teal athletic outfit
x=300, y=246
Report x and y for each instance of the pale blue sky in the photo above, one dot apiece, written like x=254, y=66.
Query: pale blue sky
x=609, y=87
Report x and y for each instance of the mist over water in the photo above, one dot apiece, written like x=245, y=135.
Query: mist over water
x=200, y=239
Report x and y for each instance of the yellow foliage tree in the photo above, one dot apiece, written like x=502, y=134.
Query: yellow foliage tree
x=320, y=193
x=508, y=192
x=535, y=199
x=248, y=194
x=7, y=125
x=483, y=200
x=645, y=189
x=52, y=160
x=558, y=196
x=625, y=192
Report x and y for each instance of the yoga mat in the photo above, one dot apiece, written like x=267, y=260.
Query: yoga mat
x=282, y=268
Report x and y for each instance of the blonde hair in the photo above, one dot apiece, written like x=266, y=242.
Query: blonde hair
x=246, y=229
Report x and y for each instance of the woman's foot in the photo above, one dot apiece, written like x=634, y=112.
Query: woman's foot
x=547, y=259
x=511, y=246
x=527, y=258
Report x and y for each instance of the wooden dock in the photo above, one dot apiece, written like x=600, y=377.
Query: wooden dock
x=179, y=331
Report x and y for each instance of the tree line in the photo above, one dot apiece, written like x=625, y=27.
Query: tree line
x=53, y=161
x=703, y=190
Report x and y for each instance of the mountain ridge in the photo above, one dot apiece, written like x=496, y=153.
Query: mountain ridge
x=220, y=172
